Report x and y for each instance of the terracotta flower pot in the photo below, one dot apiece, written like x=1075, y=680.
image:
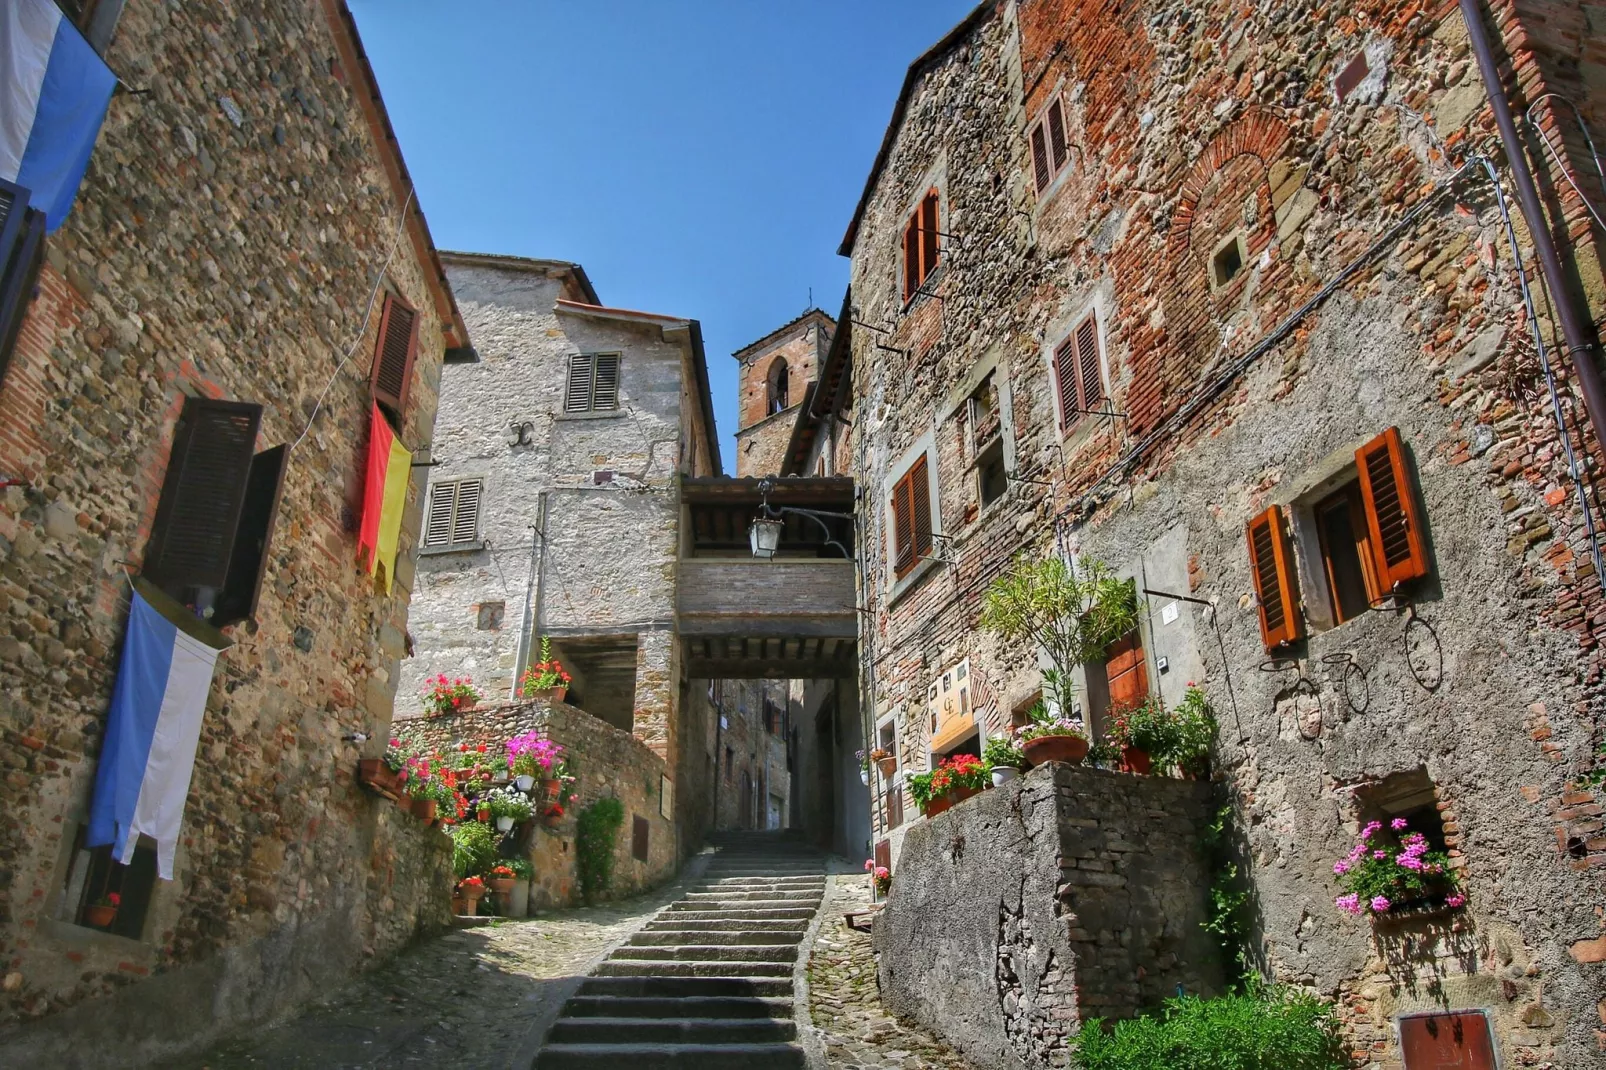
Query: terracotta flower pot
x=1137, y=761
x=888, y=766
x=459, y=905
x=551, y=821
x=550, y=788
x=501, y=886
x=100, y=917
x=548, y=694
x=424, y=809
x=1071, y=749
x=374, y=773
x=959, y=795
x=937, y=805
x=484, y=815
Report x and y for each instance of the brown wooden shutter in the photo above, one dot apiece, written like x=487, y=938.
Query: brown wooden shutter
x=578, y=397
x=1065, y=380
x=1040, y=166
x=1388, y=494
x=903, y=527
x=883, y=854
x=258, y=515
x=392, y=375
x=1126, y=672
x=605, y=386
x=22, y=251
x=1057, y=147
x=920, y=496
x=1087, y=364
x=929, y=224
x=911, y=258
x=1271, y=560
x=198, y=514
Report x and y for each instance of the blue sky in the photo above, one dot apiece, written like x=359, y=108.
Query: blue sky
x=700, y=158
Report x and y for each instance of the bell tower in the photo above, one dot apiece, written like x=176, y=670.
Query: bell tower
x=776, y=372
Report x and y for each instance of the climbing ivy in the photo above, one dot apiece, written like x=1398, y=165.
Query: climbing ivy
x=1228, y=898
x=596, y=832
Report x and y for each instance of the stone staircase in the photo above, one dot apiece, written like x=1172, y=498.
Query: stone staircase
x=707, y=984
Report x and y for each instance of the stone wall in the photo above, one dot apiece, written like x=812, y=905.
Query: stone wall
x=1189, y=127
x=225, y=242
x=606, y=761
x=1066, y=895
x=733, y=725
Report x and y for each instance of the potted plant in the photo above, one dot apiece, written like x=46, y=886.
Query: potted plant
x=473, y=849
x=501, y=880
x=967, y=775
x=552, y=816
x=1379, y=877
x=1005, y=758
x=1104, y=756
x=443, y=696
x=880, y=878
x=104, y=910
x=546, y=679
x=1141, y=730
x=864, y=767
x=1072, y=615
x=884, y=761
x=553, y=778
x=523, y=873
x=482, y=809
x=1051, y=739
x=508, y=807
x=1193, y=733
x=472, y=890
x=925, y=794
x=530, y=754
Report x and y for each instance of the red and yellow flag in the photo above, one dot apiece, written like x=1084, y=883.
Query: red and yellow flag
x=384, y=497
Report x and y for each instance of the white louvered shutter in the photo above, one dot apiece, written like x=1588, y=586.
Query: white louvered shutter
x=466, y=519
x=578, y=398
x=605, y=386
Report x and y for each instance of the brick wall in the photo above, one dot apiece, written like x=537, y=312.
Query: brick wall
x=761, y=436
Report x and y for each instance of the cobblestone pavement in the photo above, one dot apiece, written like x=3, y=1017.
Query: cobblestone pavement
x=845, y=1005
x=467, y=999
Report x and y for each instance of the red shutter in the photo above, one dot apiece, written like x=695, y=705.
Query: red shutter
x=929, y=225
x=392, y=375
x=1040, y=167
x=883, y=854
x=1271, y=560
x=1389, y=496
x=1088, y=373
x=911, y=258
x=903, y=528
x=1057, y=147
x=1125, y=671
x=1065, y=381
x=920, y=495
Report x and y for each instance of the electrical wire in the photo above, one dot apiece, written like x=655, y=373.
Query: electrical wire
x=1561, y=166
x=362, y=331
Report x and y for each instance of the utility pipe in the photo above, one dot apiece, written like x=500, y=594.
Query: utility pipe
x=1576, y=329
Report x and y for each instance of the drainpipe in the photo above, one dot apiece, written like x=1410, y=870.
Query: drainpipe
x=1576, y=329
x=532, y=591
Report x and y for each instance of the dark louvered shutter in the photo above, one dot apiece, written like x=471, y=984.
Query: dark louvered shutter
x=605, y=385
x=1040, y=168
x=920, y=495
x=1389, y=496
x=198, y=514
x=391, y=378
x=1087, y=363
x=903, y=527
x=929, y=219
x=466, y=517
x=1057, y=148
x=249, y=560
x=1271, y=561
x=1065, y=381
x=578, y=396
x=22, y=248
x=911, y=258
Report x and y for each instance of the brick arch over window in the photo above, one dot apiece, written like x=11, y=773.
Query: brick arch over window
x=1234, y=167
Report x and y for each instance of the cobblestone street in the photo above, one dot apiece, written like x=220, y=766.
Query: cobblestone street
x=469, y=998
x=844, y=1005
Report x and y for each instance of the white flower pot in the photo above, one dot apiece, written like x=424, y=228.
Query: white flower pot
x=1003, y=774
x=864, y=777
x=521, y=899
x=503, y=824
x=524, y=783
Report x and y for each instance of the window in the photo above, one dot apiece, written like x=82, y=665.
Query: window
x=894, y=804
x=730, y=757
x=1438, y=1041
x=774, y=718
x=992, y=479
x=454, y=514
x=911, y=518
x=920, y=249
x=639, y=833
x=22, y=244
x=1346, y=552
x=490, y=616
x=215, y=517
x=779, y=389
x=392, y=375
x=1078, y=372
x=593, y=383
x=94, y=874
x=1050, y=150
x=1228, y=262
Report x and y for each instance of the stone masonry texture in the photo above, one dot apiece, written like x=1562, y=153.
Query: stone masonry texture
x=233, y=222
x=1190, y=126
x=1069, y=894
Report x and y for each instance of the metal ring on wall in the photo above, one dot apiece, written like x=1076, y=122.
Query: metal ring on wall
x=1351, y=679
x=1427, y=681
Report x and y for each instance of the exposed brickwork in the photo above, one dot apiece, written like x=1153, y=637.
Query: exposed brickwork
x=761, y=435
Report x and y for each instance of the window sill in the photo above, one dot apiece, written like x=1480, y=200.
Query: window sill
x=606, y=414
x=82, y=936
x=455, y=548
x=911, y=580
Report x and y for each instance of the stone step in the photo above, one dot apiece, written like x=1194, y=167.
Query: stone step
x=765, y=869
x=683, y=968
x=678, y=1006
x=808, y=880
x=695, y=936
x=660, y=1030
x=670, y=1057
x=701, y=913
x=707, y=953
x=766, y=907
x=726, y=987
x=770, y=895
x=672, y=923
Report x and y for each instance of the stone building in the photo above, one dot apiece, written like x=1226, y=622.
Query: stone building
x=1223, y=297
x=750, y=721
x=247, y=243
x=772, y=384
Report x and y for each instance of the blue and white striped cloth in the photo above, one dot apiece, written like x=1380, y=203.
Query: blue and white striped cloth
x=53, y=95
x=154, y=727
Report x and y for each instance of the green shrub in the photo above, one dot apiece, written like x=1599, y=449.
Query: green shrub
x=473, y=849
x=1274, y=1029
x=595, y=834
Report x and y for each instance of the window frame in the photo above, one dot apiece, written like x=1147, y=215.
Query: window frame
x=1071, y=417
x=454, y=544
x=1046, y=177
x=594, y=362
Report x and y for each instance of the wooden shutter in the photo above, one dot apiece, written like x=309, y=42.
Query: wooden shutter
x=249, y=560
x=466, y=517
x=605, y=384
x=1447, y=1042
x=883, y=854
x=929, y=224
x=1088, y=373
x=442, y=503
x=1065, y=380
x=920, y=498
x=1040, y=166
x=581, y=373
x=639, y=833
x=198, y=514
x=903, y=527
x=1271, y=560
x=1126, y=672
x=1057, y=147
x=911, y=257
x=1388, y=494
x=22, y=247
x=392, y=375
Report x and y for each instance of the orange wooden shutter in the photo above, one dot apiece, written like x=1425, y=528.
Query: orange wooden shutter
x=911, y=258
x=1271, y=559
x=1125, y=671
x=1389, y=496
x=903, y=528
x=920, y=496
x=928, y=235
x=392, y=373
x=1087, y=363
x=1065, y=373
x=1040, y=168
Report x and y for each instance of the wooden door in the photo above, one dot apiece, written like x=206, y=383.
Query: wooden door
x=1447, y=1042
x=1126, y=672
